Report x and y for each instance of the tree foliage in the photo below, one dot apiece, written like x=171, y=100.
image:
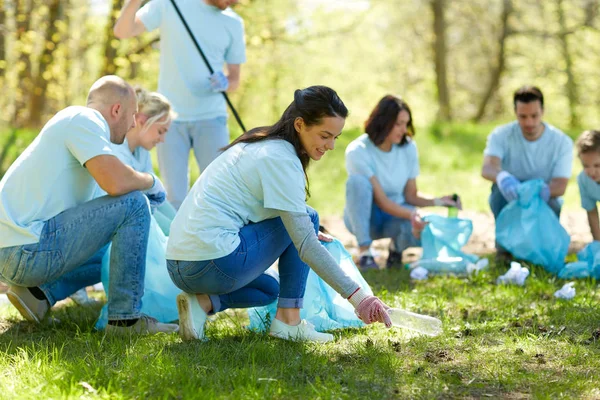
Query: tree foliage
x=449, y=59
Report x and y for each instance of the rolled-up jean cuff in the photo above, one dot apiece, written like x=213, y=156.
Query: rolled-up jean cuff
x=124, y=317
x=216, y=303
x=290, y=303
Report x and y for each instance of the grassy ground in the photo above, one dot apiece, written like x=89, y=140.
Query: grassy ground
x=498, y=341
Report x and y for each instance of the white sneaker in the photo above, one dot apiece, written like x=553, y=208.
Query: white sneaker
x=81, y=298
x=192, y=317
x=304, y=331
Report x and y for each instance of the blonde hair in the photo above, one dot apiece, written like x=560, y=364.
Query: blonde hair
x=155, y=106
x=588, y=142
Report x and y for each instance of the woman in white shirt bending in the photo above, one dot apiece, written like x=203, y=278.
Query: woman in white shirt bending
x=248, y=209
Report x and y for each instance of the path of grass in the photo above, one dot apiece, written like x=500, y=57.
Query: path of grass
x=498, y=341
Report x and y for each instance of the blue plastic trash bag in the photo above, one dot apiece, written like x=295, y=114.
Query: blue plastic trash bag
x=323, y=306
x=442, y=241
x=588, y=264
x=531, y=231
x=159, y=290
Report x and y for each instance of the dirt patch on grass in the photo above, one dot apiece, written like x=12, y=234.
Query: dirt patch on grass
x=481, y=241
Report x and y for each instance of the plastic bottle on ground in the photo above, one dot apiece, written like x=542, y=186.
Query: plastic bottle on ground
x=415, y=322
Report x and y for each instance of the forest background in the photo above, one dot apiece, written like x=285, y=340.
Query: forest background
x=456, y=63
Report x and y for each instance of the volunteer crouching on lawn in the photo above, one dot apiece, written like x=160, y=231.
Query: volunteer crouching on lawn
x=381, y=191
x=247, y=210
x=526, y=149
x=53, y=235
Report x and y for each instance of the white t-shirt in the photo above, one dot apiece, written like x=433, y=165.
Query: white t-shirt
x=589, y=190
x=183, y=76
x=49, y=176
x=247, y=183
x=550, y=156
x=140, y=159
x=392, y=169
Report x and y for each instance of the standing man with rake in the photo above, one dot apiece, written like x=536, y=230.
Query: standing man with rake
x=195, y=94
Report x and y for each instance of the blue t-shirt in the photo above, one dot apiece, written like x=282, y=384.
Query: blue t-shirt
x=140, y=159
x=548, y=157
x=589, y=190
x=247, y=183
x=49, y=176
x=392, y=169
x=183, y=76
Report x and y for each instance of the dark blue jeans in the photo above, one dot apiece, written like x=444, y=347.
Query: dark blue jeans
x=241, y=279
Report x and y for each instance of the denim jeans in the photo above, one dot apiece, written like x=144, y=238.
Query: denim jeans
x=68, y=256
x=205, y=137
x=498, y=202
x=241, y=279
x=365, y=220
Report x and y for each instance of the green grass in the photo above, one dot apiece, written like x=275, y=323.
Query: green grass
x=498, y=341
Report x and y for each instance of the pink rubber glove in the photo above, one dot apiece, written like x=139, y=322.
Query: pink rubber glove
x=369, y=308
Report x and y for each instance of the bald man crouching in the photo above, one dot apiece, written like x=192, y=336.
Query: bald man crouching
x=53, y=233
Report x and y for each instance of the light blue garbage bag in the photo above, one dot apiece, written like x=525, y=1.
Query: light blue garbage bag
x=323, y=306
x=587, y=266
x=530, y=230
x=159, y=290
x=442, y=241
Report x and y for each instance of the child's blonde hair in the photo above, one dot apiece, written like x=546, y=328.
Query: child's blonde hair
x=588, y=142
x=155, y=106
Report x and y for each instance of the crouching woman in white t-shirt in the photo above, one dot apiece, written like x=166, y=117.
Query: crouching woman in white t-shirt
x=248, y=209
x=381, y=191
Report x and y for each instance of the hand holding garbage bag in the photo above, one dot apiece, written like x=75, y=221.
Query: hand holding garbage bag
x=531, y=231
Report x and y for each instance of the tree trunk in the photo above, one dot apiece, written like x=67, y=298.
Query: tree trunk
x=571, y=87
x=111, y=44
x=23, y=13
x=37, y=98
x=496, y=74
x=2, y=39
x=439, y=51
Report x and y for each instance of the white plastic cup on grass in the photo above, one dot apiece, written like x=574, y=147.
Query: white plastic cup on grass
x=424, y=324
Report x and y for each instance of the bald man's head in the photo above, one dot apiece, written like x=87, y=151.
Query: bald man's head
x=115, y=100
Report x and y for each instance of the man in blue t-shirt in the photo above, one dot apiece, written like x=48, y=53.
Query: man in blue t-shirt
x=526, y=149
x=54, y=233
x=195, y=94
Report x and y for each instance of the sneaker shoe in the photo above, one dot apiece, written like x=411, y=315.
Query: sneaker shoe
x=192, y=317
x=27, y=304
x=145, y=325
x=304, y=331
x=394, y=259
x=367, y=262
x=81, y=298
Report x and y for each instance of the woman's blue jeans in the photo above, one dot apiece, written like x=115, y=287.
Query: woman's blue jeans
x=68, y=256
x=367, y=222
x=242, y=279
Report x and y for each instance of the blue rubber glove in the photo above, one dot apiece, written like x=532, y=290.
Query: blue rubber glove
x=157, y=193
x=219, y=82
x=508, y=185
x=545, y=193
